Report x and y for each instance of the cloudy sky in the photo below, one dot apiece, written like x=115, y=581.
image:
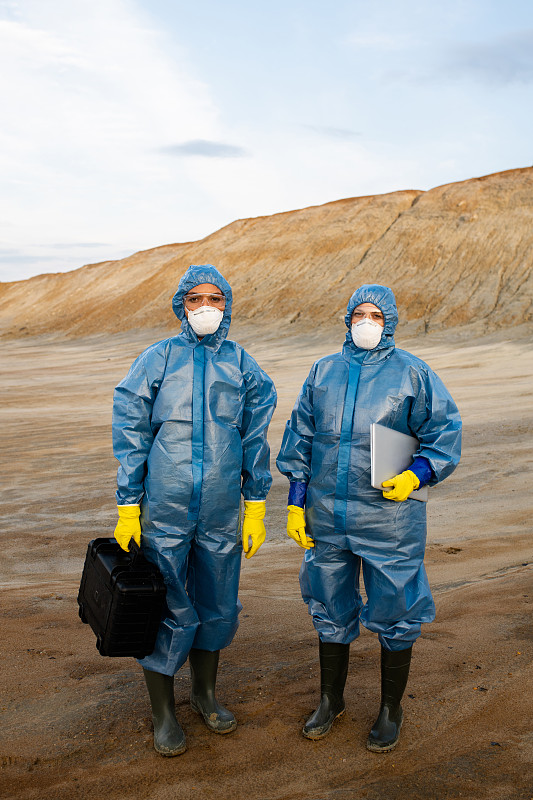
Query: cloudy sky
x=128, y=124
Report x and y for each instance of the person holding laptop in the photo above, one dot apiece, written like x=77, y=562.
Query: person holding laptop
x=344, y=524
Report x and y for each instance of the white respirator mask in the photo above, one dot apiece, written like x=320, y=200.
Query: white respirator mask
x=366, y=334
x=205, y=320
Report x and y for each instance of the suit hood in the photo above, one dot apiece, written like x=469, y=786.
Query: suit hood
x=195, y=275
x=383, y=298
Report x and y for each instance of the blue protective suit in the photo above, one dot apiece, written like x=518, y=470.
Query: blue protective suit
x=326, y=447
x=190, y=432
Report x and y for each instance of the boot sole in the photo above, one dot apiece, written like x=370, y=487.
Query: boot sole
x=375, y=748
x=212, y=727
x=171, y=753
x=320, y=734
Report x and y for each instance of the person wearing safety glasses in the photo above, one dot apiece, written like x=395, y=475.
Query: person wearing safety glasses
x=344, y=524
x=190, y=427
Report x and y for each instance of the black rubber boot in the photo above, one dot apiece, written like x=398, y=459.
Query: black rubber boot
x=204, y=665
x=169, y=739
x=394, y=673
x=334, y=660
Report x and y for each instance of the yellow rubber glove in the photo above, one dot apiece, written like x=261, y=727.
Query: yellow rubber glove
x=296, y=527
x=253, y=526
x=400, y=487
x=128, y=526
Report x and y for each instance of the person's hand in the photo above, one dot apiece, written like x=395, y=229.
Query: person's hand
x=400, y=487
x=128, y=526
x=253, y=526
x=296, y=527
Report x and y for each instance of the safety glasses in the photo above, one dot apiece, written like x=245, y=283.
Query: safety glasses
x=197, y=299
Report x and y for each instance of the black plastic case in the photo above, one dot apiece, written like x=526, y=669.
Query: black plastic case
x=122, y=597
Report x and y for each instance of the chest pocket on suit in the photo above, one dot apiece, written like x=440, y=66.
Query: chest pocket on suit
x=328, y=405
x=226, y=396
x=174, y=400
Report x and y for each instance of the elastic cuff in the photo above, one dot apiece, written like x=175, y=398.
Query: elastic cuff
x=297, y=494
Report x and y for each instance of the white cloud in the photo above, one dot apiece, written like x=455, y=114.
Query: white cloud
x=126, y=125
x=91, y=93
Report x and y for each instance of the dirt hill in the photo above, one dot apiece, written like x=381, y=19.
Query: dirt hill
x=456, y=253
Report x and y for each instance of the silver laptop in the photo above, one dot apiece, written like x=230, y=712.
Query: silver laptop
x=391, y=452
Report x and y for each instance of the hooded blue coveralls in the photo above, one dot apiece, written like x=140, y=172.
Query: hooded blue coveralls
x=325, y=453
x=190, y=432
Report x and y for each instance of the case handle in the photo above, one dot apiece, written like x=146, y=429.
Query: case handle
x=134, y=550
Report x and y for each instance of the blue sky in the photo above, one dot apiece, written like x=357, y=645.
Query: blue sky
x=128, y=124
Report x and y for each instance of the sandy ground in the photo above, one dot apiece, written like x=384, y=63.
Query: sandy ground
x=76, y=725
